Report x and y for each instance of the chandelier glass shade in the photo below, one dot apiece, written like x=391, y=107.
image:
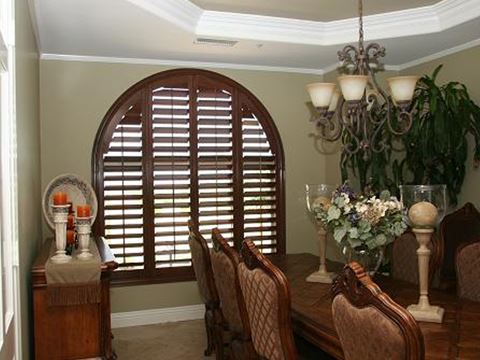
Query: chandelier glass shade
x=360, y=111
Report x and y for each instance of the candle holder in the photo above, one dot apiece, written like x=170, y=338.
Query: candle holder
x=426, y=207
x=60, y=216
x=83, y=232
x=320, y=195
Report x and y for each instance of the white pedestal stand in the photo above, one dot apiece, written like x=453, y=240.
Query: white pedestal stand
x=60, y=216
x=423, y=311
x=322, y=275
x=83, y=230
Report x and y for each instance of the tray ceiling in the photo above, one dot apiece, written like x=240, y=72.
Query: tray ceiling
x=316, y=10
x=166, y=31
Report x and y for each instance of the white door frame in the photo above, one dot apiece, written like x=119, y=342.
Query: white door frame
x=10, y=328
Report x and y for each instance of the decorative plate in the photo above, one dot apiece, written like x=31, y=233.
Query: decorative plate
x=79, y=192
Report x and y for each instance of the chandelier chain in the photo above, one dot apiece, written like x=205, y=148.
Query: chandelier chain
x=360, y=20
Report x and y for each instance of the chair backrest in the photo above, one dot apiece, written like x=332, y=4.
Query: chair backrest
x=267, y=299
x=225, y=262
x=457, y=228
x=468, y=270
x=369, y=323
x=202, y=265
x=405, y=261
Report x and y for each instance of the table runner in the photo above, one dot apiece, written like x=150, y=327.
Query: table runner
x=76, y=282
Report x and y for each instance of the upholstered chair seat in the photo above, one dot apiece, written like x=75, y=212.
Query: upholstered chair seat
x=369, y=323
x=468, y=271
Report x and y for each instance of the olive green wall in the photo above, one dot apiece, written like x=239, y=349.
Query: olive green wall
x=76, y=95
x=462, y=67
x=28, y=161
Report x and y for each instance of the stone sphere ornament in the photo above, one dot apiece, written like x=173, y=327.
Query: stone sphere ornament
x=425, y=204
x=322, y=201
x=423, y=214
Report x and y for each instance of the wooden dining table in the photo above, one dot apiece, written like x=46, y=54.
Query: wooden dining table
x=457, y=337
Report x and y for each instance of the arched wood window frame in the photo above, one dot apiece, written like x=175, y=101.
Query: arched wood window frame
x=139, y=98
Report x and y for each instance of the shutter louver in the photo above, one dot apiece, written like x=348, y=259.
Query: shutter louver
x=215, y=162
x=259, y=184
x=171, y=175
x=123, y=191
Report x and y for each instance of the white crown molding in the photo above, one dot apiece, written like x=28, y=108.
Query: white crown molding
x=179, y=63
x=260, y=28
x=157, y=316
x=421, y=60
x=439, y=55
x=214, y=65
x=182, y=13
x=451, y=13
x=217, y=24
x=266, y=28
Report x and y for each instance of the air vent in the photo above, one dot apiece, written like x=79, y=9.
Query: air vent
x=215, y=42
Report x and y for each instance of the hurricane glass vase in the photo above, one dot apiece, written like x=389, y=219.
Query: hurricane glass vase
x=369, y=259
x=425, y=205
x=319, y=195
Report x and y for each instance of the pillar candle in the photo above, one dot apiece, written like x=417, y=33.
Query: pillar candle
x=70, y=237
x=83, y=210
x=71, y=221
x=60, y=198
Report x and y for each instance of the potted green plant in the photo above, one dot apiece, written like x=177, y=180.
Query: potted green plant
x=436, y=146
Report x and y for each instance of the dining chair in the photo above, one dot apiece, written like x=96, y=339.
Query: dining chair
x=225, y=261
x=369, y=323
x=202, y=267
x=267, y=298
x=404, y=258
x=457, y=228
x=468, y=270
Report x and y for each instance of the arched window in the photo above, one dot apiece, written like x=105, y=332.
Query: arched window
x=186, y=144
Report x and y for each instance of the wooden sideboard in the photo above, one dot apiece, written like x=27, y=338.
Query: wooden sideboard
x=72, y=332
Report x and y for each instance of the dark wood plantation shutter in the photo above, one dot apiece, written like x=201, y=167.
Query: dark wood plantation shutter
x=171, y=174
x=259, y=183
x=215, y=159
x=180, y=145
x=123, y=190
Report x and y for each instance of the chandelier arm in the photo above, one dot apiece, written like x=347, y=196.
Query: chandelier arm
x=374, y=51
x=336, y=130
x=328, y=129
x=405, y=117
x=354, y=145
x=348, y=56
x=377, y=146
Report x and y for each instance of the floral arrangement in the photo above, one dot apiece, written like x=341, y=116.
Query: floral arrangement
x=361, y=220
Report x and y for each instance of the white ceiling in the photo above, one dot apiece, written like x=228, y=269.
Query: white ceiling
x=316, y=10
x=165, y=30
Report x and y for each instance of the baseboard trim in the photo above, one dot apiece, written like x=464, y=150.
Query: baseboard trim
x=157, y=316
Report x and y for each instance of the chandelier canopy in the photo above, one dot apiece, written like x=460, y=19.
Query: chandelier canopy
x=361, y=112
